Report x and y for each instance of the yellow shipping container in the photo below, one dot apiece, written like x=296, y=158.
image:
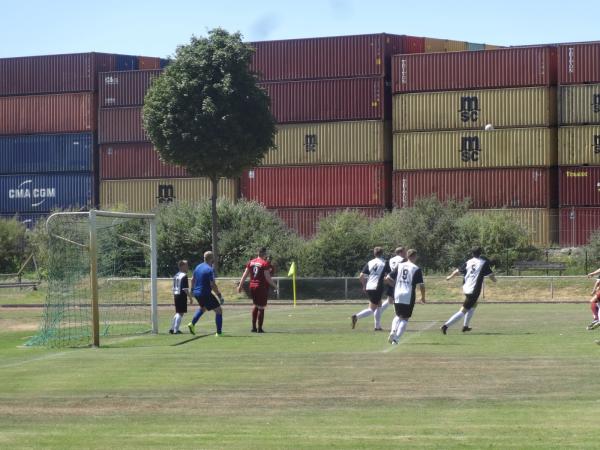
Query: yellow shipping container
x=580, y=104
x=513, y=147
x=330, y=143
x=542, y=224
x=579, y=145
x=433, y=45
x=503, y=108
x=146, y=195
x=493, y=47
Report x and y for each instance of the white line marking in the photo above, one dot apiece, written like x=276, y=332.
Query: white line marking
x=412, y=335
x=40, y=358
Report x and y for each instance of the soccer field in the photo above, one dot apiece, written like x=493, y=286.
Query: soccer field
x=525, y=377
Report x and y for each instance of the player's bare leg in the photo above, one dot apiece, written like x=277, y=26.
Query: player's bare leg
x=594, y=307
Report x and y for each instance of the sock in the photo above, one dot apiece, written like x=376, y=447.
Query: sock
x=401, y=328
x=364, y=313
x=174, y=321
x=395, y=323
x=177, y=322
x=261, y=318
x=377, y=316
x=385, y=305
x=469, y=316
x=455, y=318
x=594, y=307
x=197, y=316
x=219, y=322
x=254, y=317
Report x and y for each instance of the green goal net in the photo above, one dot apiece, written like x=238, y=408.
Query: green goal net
x=101, y=278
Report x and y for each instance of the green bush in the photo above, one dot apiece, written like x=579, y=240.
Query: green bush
x=13, y=245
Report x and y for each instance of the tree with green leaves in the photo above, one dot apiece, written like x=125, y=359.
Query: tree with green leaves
x=206, y=112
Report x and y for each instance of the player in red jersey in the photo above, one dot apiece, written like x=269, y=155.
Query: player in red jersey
x=260, y=271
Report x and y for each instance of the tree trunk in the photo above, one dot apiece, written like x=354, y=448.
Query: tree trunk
x=215, y=221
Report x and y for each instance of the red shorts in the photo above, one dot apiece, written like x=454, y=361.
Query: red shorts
x=260, y=295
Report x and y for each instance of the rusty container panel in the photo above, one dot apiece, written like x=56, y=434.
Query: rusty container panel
x=318, y=186
x=121, y=125
x=577, y=225
x=125, y=88
x=579, y=186
x=484, y=188
x=54, y=113
x=580, y=104
x=329, y=100
x=541, y=223
x=579, y=63
x=475, y=149
x=579, y=145
x=305, y=221
x=147, y=195
x=433, y=45
x=474, y=109
x=331, y=142
x=135, y=160
x=53, y=74
x=511, y=67
x=325, y=57
x=148, y=63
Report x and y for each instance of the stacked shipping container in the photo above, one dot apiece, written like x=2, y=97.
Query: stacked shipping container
x=442, y=104
x=579, y=142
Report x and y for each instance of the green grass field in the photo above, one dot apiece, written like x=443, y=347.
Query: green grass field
x=526, y=377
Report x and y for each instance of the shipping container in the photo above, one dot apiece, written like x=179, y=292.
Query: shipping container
x=452, y=110
x=318, y=186
x=44, y=192
x=147, y=195
x=55, y=113
x=39, y=153
x=580, y=104
x=577, y=225
x=579, y=186
x=511, y=67
x=305, y=221
x=473, y=47
x=433, y=45
x=329, y=100
x=125, y=88
x=579, y=63
x=493, y=47
x=135, y=160
x=164, y=63
x=53, y=74
x=579, y=145
x=485, y=188
x=126, y=62
x=326, y=57
x=121, y=125
x=148, y=63
x=475, y=149
x=331, y=142
x=541, y=223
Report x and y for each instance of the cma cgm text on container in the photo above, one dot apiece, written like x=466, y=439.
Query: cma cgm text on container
x=504, y=68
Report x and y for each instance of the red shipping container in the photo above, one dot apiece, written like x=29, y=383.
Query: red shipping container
x=148, y=63
x=329, y=100
x=56, y=113
x=136, y=160
x=318, y=186
x=121, y=125
x=126, y=88
x=53, y=73
x=486, y=188
x=305, y=221
x=579, y=63
x=327, y=57
x=577, y=225
x=579, y=186
x=511, y=67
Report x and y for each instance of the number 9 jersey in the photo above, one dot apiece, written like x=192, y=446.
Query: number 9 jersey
x=407, y=276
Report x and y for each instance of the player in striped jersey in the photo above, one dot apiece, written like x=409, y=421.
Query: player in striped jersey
x=181, y=292
x=474, y=271
x=371, y=279
x=405, y=278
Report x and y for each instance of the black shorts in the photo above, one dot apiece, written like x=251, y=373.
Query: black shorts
x=403, y=310
x=180, y=304
x=389, y=291
x=471, y=300
x=375, y=296
x=208, y=302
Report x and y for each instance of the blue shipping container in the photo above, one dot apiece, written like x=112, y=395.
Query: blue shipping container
x=164, y=63
x=127, y=62
x=41, y=153
x=475, y=47
x=42, y=193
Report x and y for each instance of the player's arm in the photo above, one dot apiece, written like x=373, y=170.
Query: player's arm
x=453, y=274
x=594, y=273
x=596, y=286
x=422, y=289
x=492, y=277
x=363, y=277
x=244, y=276
x=390, y=278
x=270, y=280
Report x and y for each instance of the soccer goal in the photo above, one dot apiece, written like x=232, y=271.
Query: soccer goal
x=101, y=271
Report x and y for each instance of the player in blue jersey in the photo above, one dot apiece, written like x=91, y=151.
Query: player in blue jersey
x=203, y=286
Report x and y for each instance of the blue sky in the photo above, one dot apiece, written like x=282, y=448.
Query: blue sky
x=155, y=28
